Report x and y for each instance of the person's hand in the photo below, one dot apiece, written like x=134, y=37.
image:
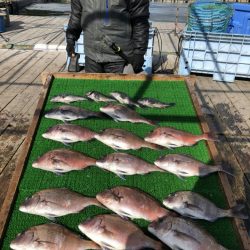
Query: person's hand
x=137, y=62
x=70, y=48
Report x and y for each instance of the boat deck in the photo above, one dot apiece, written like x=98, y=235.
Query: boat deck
x=226, y=105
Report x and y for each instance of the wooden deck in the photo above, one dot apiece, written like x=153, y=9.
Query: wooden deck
x=226, y=106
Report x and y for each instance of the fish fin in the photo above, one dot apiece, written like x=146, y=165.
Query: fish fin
x=181, y=177
x=236, y=211
x=192, y=206
x=184, y=237
x=227, y=169
x=58, y=172
x=51, y=217
x=209, y=137
x=125, y=216
x=176, y=248
x=189, y=215
x=44, y=244
x=121, y=176
x=106, y=246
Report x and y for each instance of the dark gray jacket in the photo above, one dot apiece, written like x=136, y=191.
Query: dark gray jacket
x=125, y=22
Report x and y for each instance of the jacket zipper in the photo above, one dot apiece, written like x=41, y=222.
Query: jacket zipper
x=106, y=18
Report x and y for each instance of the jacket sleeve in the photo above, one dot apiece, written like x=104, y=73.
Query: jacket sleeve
x=139, y=13
x=74, y=26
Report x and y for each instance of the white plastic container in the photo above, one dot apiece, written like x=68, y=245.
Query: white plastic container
x=225, y=56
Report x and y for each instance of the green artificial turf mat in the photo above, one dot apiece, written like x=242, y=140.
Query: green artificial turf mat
x=93, y=180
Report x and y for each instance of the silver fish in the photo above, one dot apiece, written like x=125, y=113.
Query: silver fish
x=132, y=203
x=153, y=103
x=122, y=139
x=52, y=203
x=64, y=98
x=125, y=164
x=123, y=98
x=70, y=113
x=185, y=166
x=51, y=236
x=114, y=233
x=98, y=97
x=63, y=160
x=122, y=113
x=179, y=233
x=195, y=206
x=68, y=133
x=172, y=138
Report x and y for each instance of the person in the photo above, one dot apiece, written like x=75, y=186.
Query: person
x=121, y=22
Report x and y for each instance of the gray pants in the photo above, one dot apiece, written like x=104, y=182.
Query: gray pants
x=109, y=67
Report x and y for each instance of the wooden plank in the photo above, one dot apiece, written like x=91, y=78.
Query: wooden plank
x=14, y=135
x=6, y=55
x=21, y=161
x=5, y=176
x=34, y=29
x=14, y=74
x=111, y=76
x=233, y=121
x=238, y=99
x=223, y=177
x=14, y=64
x=237, y=142
x=18, y=96
x=244, y=86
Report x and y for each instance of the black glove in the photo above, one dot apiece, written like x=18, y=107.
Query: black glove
x=137, y=62
x=70, y=47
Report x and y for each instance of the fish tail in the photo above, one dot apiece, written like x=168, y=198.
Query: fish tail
x=150, y=122
x=95, y=202
x=157, y=169
x=152, y=146
x=237, y=212
x=100, y=115
x=208, y=137
x=91, y=162
x=226, y=169
x=91, y=245
x=170, y=104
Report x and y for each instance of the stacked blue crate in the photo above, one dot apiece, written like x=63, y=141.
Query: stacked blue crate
x=240, y=21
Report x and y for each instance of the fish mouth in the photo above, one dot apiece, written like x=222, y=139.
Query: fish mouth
x=97, y=136
x=152, y=226
x=148, y=139
x=100, y=163
x=87, y=226
x=45, y=135
x=25, y=205
x=157, y=163
x=103, y=109
x=35, y=164
x=104, y=196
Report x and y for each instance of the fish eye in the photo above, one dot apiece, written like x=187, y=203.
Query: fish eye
x=172, y=195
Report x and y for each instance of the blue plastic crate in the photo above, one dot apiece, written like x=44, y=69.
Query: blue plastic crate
x=240, y=21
